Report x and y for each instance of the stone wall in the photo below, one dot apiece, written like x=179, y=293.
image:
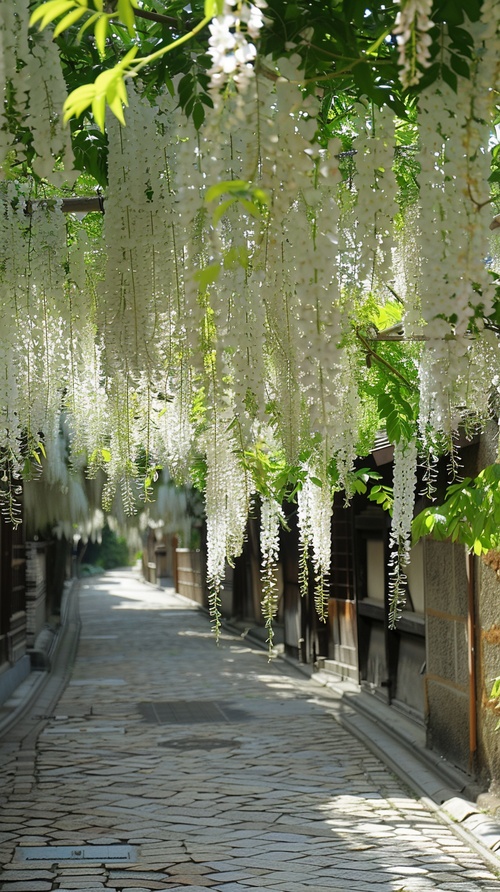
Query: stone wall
x=447, y=676
x=488, y=643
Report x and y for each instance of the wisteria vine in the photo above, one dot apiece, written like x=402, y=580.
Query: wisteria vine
x=228, y=297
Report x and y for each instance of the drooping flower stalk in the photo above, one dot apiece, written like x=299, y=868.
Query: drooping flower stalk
x=315, y=507
x=404, y=482
x=271, y=520
x=412, y=27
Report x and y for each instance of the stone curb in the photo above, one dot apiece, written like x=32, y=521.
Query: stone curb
x=438, y=783
x=469, y=816
x=60, y=658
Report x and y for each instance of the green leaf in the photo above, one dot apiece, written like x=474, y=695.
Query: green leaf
x=363, y=78
x=449, y=77
x=261, y=196
x=198, y=115
x=459, y=65
x=253, y=209
x=106, y=454
x=208, y=275
x=125, y=9
x=221, y=209
x=99, y=110
x=109, y=88
x=68, y=20
x=88, y=24
x=230, y=186
x=214, y=7
x=237, y=255
x=77, y=101
x=359, y=487
x=49, y=11
x=393, y=427
x=100, y=34
x=385, y=404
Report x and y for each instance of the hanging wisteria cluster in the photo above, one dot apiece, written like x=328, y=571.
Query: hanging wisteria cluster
x=226, y=303
x=34, y=90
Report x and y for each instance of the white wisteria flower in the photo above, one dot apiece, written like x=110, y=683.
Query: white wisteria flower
x=231, y=52
x=412, y=27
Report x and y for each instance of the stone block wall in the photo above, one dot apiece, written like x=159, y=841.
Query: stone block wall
x=488, y=663
x=487, y=643
x=447, y=675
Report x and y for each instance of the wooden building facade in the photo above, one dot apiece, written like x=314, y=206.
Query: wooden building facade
x=435, y=668
x=14, y=662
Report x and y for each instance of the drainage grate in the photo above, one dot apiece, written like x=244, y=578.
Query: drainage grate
x=199, y=743
x=80, y=854
x=189, y=712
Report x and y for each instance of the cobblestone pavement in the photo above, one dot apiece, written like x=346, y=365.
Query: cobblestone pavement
x=220, y=770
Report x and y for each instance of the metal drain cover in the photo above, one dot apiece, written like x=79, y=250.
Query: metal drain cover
x=189, y=712
x=199, y=743
x=79, y=854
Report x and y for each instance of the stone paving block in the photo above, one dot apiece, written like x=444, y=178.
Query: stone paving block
x=83, y=882
x=238, y=887
x=187, y=889
x=90, y=889
x=71, y=870
x=34, y=886
x=297, y=887
x=132, y=885
x=476, y=874
x=458, y=887
x=188, y=868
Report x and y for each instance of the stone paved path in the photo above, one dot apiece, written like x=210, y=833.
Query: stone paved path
x=244, y=783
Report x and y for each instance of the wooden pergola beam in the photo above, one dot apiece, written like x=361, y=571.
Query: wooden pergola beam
x=81, y=205
x=87, y=204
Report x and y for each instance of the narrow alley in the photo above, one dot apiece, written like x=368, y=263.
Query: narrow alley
x=169, y=763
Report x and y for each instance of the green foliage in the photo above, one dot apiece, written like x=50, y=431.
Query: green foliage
x=470, y=513
x=108, y=89
x=398, y=415
x=383, y=496
x=494, y=701
x=252, y=200
x=110, y=553
x=346, y=50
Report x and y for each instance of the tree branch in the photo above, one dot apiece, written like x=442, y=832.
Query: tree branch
x=374, y=355
x=156, y=17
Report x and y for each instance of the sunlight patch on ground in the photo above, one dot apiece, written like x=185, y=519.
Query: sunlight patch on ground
x=191, y=633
